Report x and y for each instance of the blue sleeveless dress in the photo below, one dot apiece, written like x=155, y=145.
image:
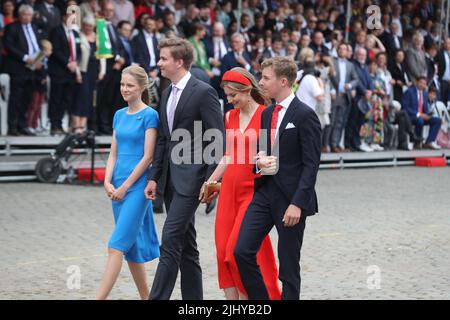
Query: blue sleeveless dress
x=135, y=233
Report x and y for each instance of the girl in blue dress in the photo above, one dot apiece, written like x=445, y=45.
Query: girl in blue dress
x=132, y=148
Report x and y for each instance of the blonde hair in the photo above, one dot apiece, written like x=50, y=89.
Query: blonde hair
x=305, y=54
x=283, y=67
x=255, y=90
x=141, y=77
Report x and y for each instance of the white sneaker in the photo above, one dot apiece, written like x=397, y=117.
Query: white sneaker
x=365, y=148
x=435, y=146
x=376, y=147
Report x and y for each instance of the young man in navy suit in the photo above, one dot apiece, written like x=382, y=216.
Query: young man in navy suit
x=288, y=162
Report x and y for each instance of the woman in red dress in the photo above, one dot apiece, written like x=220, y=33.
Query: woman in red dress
x=242, y=126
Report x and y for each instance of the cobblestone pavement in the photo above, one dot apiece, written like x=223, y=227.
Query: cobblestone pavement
x=380, y=234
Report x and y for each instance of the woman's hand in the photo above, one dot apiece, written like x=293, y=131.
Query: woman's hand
x=119, y=193
x=109, y=188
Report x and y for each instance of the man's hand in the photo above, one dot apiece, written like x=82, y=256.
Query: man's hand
x=424, y=116
x=215, y=63
x=201, y=196
x=292, y=216
x=72, y=66
x=267, y=164
x=241, y=61
x=150, y=190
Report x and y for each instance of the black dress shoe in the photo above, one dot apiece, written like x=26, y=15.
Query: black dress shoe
x=106, y=131
x=57, y=132
x=13, y=133
x=210, y=206
x=26, y=132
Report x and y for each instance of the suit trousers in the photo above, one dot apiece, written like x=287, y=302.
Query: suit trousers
x=435, y=125
x=266, y=210
x=355, y=120
x=178, y=248
x=339, y=116
x=109, y=99
x=21, y=90
x=445, y=92
x=61, y=95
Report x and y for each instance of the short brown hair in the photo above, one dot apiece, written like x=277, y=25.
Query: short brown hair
x=283, y=67
x=180, y=49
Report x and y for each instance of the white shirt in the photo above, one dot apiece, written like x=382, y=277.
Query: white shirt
x=151, y=48
x=285, y=105
x=308, y=91
x=69, y=34
x=33, y=46
x=180, y=86
x=342, y=70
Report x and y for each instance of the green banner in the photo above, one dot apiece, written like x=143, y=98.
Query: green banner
x=104, y=48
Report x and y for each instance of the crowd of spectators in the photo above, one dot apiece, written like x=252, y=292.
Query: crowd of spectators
x=372, y=89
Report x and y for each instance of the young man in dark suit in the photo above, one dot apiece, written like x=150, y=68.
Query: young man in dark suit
x=288, y=159
x=188, y=107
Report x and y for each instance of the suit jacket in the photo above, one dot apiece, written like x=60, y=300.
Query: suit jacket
x=209, y=46
x=115, y=46
x=440, y=58
x=415, y=63
x=16, y=47
x=322, y=49
x=57, y=63
x=410, y=102
x=141, y=51
x=298, y=152
x=350, y=77
x=388, y=40
x=45, y=20
x=365, y=80
x=229, y=62
x=398, y=73
x=198, y=102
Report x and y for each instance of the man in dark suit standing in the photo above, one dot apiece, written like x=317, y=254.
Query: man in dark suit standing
x=146, y=48
x=216, y=48
x=443, y=61
x=188, y=107
x=109, y=98
x=284, y=195
x=21, y=43
x=47, y=17
x=62, y=68
x=238, y=57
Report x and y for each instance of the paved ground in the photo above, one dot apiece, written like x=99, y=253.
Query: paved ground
x=380, y=234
